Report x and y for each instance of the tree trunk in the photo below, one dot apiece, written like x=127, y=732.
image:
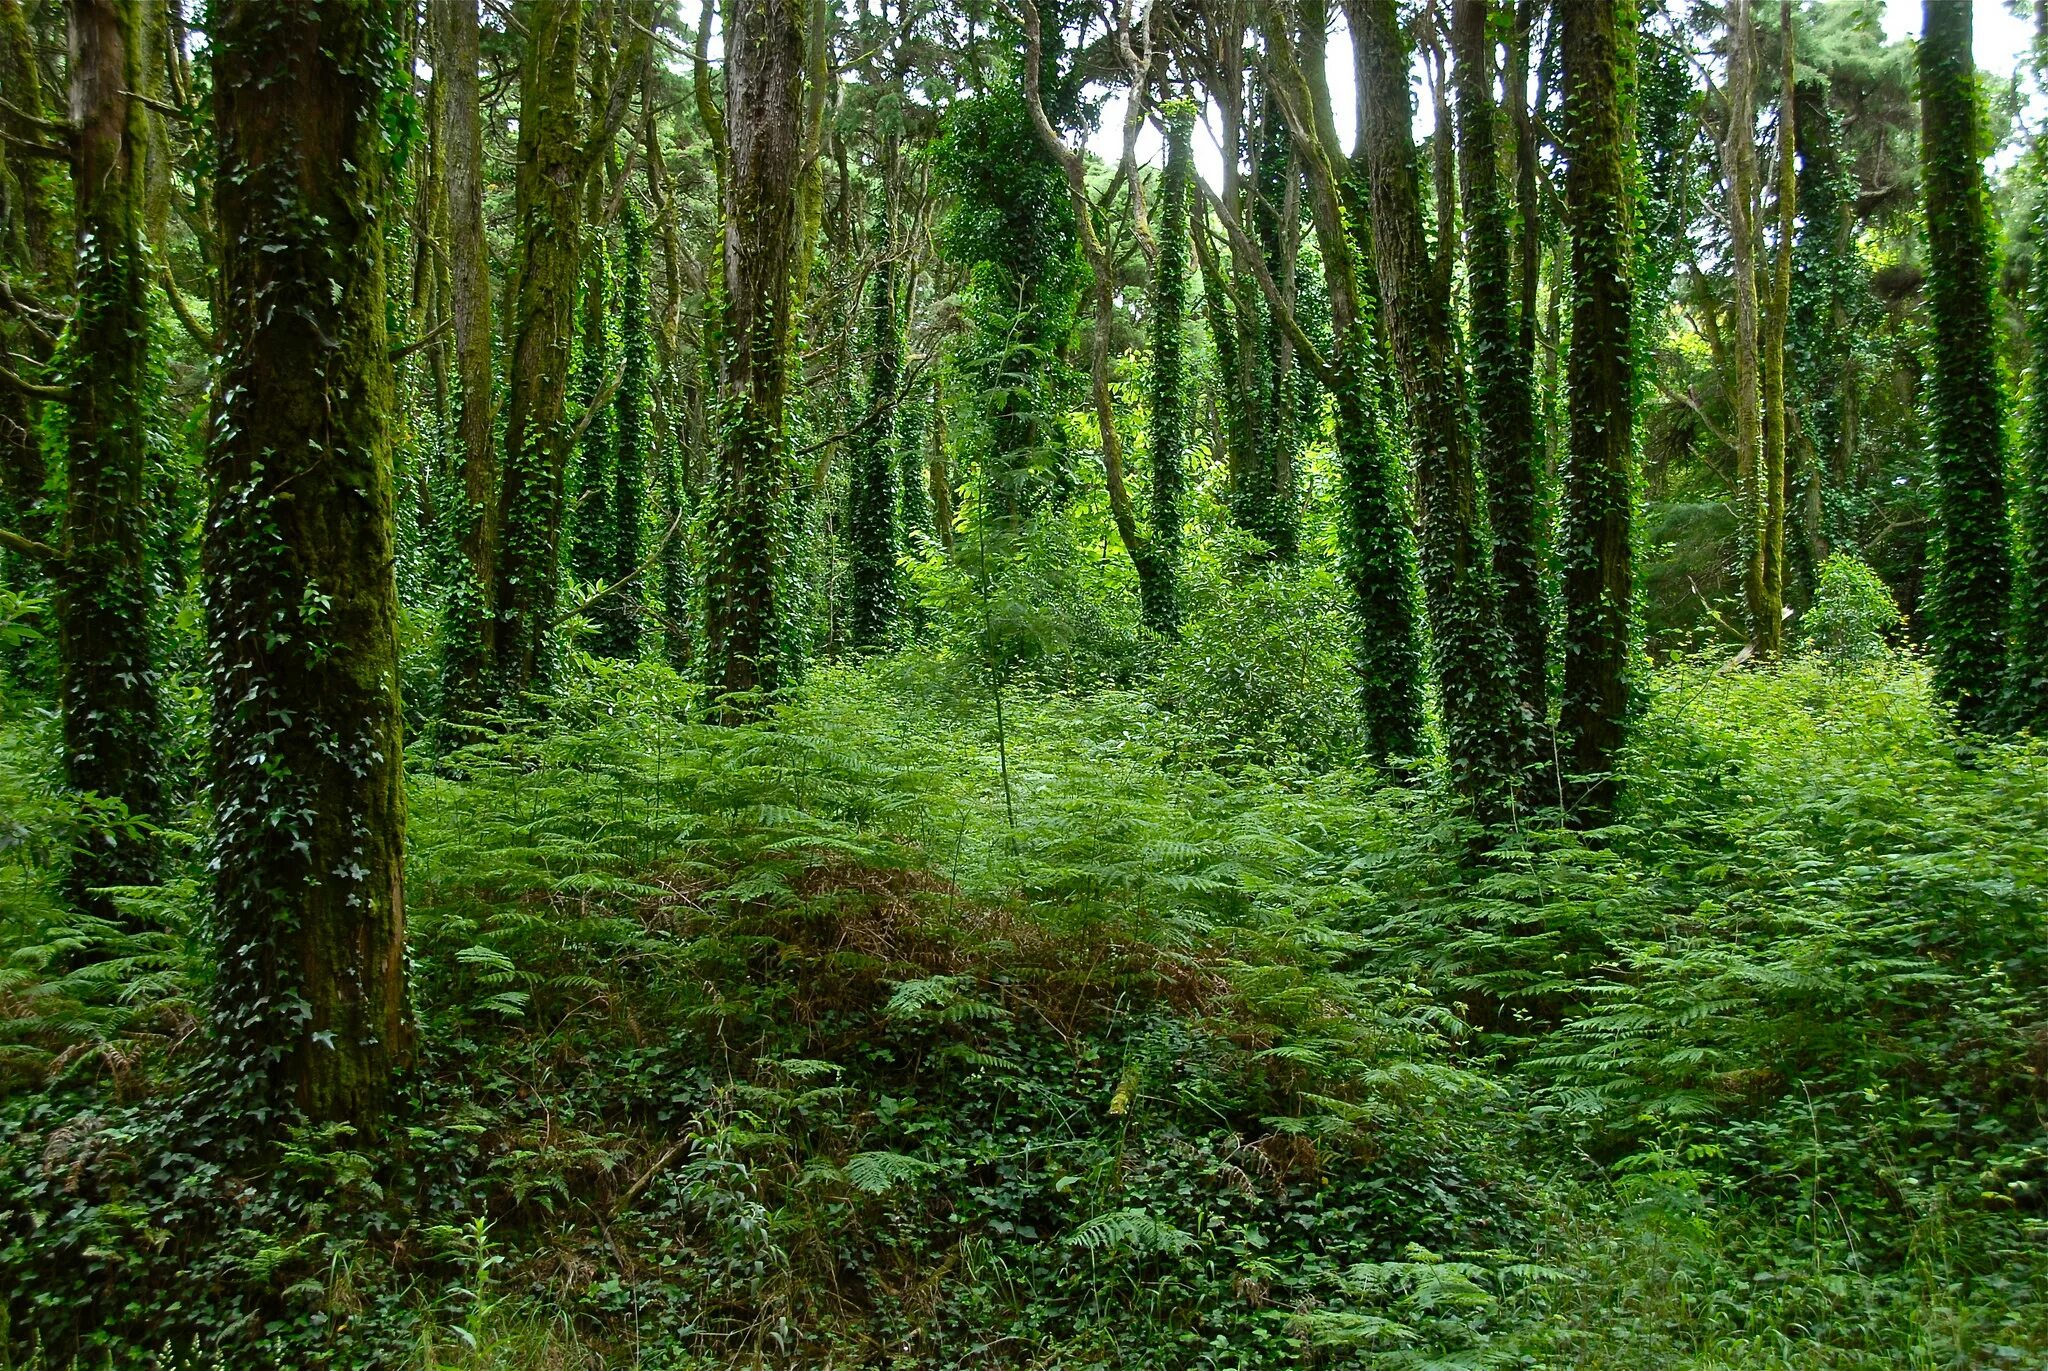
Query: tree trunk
x=1480, y=725
x=37, y=237
x=548, y=195
x=308, y=785
x=1166, y=442
x=1770, y=622
x=1972, y=579
x=1600, y=389
x=1503, y=390
x=106, y=597
x=871, y=492
x=744, y=532
x=1377, y=547
x=468, y=632
x=619, y=612
x=1738, y=161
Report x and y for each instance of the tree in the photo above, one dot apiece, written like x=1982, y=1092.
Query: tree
x=1738, y=160
x=871, y=490
x=106, y=595
x=467, y=627
x=1965, y=408
x=1480, y=726
x=619, y=609
x=1102, y=271
x=2026, y=672
x=744, y=529
x=548, y=192
x=1502, y=385
x=302, y=609
x=1376, y=544
x=1600, y=383
x=1166, y=444
x=1770, y=483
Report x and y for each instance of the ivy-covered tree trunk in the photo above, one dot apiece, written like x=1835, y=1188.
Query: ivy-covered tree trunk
x=1973, y=574
x=1166, y=444
x=590, y=521
x=1738, y=161
x=106, y=597
x=2026, y=672
x=1600, y=385
x=547, y=197
x=1502, y=383
x=36, y=238
x=1481, y=726
x=1374, y=532
x=618, y=613
x=743, y=531
x=1770, y=484
x=871, y=482
x=467, y=626
x=302, y=608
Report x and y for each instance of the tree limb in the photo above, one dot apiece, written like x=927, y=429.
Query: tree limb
x=29, y=547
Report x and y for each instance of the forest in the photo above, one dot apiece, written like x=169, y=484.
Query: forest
x=1023, y=683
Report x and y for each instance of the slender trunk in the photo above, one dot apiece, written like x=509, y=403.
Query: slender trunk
x=38, y=238
x=1770, y=619
x=744, y=534
x=548, y=195
x=1973, y=577
x=1600, y=384
x=106, y=597
x=1166, y=442
x=1738, y=159
x=1480, y=725
x=1503, y=391
x=1103, y=289
x=1377, y=546
x=308, y=786
x=618, y=613
x=871, y=492
x=468, y=637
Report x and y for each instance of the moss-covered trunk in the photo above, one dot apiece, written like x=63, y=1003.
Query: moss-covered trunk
x=743, y=532
x=1502, y=382
x=1481, y=727
x=467, y=647
x=1966, y=410
x=308, y=790
x=871, y=481
x=1600, y=386
x=1770, y=484
x=105, y=593
x=1166, y=443
x=548, y=194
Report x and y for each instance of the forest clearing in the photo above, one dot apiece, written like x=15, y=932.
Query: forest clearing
x=910, y=684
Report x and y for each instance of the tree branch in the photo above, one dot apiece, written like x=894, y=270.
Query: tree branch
x=29, y=547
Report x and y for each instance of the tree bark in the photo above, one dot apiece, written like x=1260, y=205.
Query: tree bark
x=455, y=70
x=1480, y=726
x=1770, y=623
x=1598, y=586
x=1738, y=160
x=744, y=532
x=1503, y=389
x=106, y=596
x=548, y=197
x=1972, y=579
x=308, y=784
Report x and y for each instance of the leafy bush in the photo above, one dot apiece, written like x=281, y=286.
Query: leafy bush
x=1853, y=618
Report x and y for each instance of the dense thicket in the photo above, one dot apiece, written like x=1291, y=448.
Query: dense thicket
x=836, y=682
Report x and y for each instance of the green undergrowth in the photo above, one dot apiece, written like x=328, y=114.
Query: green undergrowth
x=881, y=1038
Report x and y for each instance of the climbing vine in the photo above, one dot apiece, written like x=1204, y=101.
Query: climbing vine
x=1972, y=575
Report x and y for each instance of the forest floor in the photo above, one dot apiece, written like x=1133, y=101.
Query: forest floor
x=884, y=1039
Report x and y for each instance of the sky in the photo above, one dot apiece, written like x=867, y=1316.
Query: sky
x=2003, y=40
